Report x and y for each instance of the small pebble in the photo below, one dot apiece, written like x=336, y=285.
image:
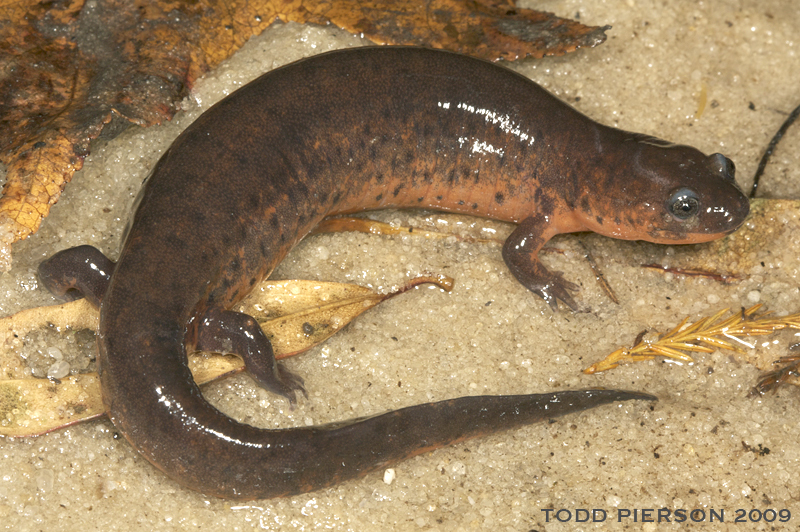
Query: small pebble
x=58, y=370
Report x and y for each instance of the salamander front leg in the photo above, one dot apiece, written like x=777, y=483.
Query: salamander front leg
x=226, y=331
x=77, y=272
x=521, y=255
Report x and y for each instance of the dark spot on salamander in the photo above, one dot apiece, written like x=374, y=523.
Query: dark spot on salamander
x=397, y=189
x=461, y=202
x=599, y=219
x=225, y=284
x=617, y=220
x=252, y=281
x=419, y=199
x=40, y=144
x=426, y=176
x=474, y=205
x=451, y=178
x=379, y=177
x=585, y=204
x=308, y=329
x=499, y=198
x=379, y=197
x=199, y=218
x=439, y=197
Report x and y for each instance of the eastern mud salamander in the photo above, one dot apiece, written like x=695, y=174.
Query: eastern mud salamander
x=338, y=133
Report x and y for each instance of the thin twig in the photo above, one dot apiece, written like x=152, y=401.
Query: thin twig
x=771, y=147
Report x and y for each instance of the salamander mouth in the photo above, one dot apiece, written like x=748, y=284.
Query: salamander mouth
x=662, y=236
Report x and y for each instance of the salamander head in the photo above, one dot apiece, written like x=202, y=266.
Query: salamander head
x=671, y=194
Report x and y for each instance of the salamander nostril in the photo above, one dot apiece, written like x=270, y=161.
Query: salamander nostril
x=723, y=165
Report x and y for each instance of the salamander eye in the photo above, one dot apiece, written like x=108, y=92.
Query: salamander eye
x=683, y=203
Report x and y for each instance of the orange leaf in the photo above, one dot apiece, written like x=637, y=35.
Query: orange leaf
x=80, y=68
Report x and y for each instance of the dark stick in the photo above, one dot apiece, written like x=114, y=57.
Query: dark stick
x=771, y=147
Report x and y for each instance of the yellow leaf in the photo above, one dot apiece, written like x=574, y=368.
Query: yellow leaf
x=295, y=315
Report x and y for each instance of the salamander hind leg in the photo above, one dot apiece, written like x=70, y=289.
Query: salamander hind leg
x=230, y=332
x=521, y=255
x=77, y=272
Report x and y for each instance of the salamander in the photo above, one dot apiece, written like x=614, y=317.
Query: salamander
x=343, y=132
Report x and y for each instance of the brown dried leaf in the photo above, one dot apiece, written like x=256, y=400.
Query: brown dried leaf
x=73, y=69
x=490, y=29
x=295, y=315
x=70, y=70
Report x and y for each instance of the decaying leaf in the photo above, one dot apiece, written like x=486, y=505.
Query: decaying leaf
x=295, y=315
x=490, y=29
x=74, y=69
x=31, y=407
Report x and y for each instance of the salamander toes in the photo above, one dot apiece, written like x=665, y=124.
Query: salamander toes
x=227, y=331
x=294, y=383
x=278, y=380
x=559, y=288
x=550, y=286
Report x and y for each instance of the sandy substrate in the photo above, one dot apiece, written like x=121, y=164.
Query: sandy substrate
x=705, y=445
